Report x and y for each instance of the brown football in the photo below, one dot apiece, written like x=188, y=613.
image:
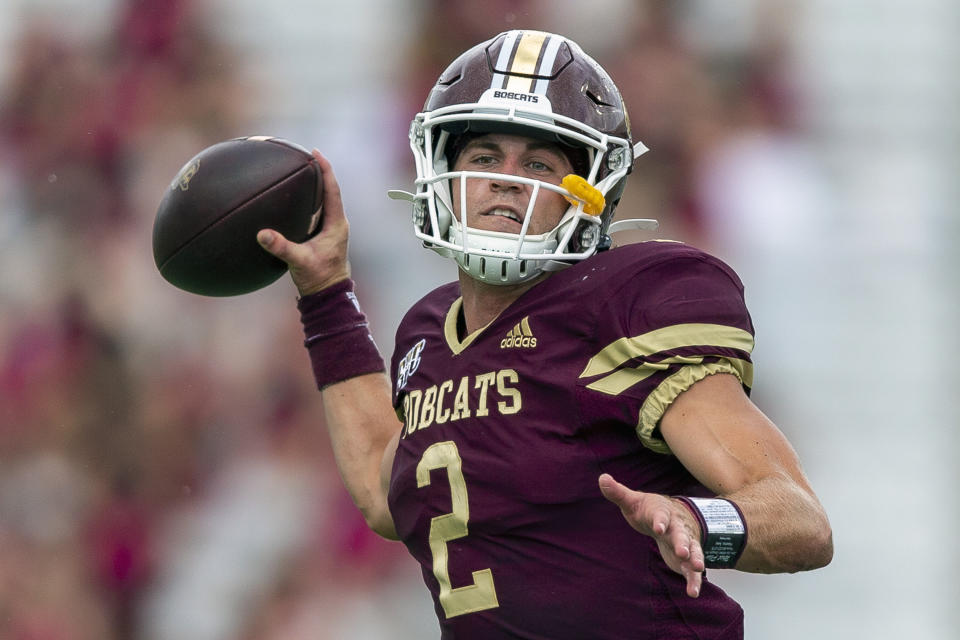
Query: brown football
x=205, y=232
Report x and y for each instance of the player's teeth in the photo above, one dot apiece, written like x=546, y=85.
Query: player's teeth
x=506, y=213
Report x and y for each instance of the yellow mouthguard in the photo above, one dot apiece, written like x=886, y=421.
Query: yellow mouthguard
x=593, y=200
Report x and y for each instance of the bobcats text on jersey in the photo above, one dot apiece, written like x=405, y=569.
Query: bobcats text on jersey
x=470, y=396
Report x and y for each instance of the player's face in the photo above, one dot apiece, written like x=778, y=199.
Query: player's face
x=500, y=205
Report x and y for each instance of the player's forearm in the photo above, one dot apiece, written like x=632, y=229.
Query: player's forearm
x=788, y=530
x=363, y=430
x=356, y=393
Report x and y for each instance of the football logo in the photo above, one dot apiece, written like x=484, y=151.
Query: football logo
x=186, y=175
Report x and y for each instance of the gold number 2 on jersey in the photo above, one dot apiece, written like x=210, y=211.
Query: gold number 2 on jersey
x=481, y=594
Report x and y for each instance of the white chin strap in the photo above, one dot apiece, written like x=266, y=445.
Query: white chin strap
x=489, y=256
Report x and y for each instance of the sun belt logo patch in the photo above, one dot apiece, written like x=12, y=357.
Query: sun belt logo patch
x=520, y=336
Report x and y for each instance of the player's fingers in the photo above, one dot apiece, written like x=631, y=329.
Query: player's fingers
x=660, y=519
x=682, y=545
x=696, y=557
x=635, y=505
x=614, y=491
x=694, y=580
x=332, y=200
x=274, y=243
x=685, y=543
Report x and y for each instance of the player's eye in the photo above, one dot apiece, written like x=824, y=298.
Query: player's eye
x=539, y=166
x=482, y=159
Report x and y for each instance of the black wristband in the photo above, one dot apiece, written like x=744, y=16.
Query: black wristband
x=723, y=530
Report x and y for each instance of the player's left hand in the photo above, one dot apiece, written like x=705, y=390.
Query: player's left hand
x=668, y=522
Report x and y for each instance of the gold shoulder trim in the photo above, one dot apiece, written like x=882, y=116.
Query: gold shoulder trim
x=675, y=336
x=619, y=381
x=663, y=396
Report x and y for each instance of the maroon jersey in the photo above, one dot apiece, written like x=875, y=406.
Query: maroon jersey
x=494, y=485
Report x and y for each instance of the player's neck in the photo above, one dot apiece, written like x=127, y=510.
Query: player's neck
x=483, y=302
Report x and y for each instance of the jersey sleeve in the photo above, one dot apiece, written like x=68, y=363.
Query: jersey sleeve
x=668, y=326
x=424, y=319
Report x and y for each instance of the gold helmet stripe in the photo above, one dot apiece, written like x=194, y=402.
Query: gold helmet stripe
x=525, y=61
x=525, y=54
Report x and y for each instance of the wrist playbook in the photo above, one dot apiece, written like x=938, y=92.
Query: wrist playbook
x=723, y=530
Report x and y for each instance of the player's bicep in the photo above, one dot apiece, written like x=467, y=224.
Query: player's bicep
x=724, y=440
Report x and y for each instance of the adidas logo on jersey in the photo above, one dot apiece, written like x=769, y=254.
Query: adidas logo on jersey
x=520, y=336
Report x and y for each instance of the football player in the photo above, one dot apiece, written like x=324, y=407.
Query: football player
x=575, y=442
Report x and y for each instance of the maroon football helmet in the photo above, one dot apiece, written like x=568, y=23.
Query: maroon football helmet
x=534, y=84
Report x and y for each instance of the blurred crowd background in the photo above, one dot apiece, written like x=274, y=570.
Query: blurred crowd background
x=164, y=471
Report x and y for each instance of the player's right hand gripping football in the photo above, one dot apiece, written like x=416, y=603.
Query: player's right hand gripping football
x=321, y=261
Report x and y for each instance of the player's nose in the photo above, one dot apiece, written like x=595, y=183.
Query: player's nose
x=510, y=167
x=501, y=185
